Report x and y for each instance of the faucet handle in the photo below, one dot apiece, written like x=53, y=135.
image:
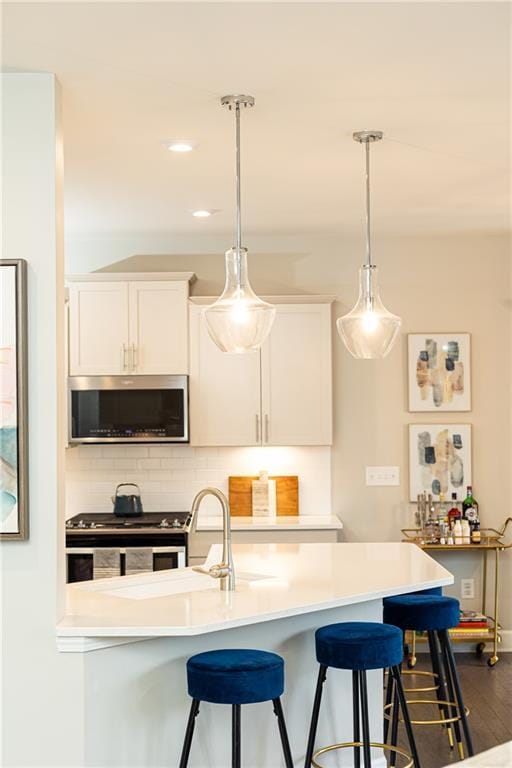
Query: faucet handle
x=218, y=571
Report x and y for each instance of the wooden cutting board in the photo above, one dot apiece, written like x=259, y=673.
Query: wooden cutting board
x=287, y=493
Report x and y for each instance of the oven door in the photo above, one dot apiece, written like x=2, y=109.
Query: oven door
x=79, y=561
x=121, y=409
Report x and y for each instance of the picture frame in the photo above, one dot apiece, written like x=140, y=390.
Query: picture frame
x=440, y=459
x=439, y=372
x=14, y=511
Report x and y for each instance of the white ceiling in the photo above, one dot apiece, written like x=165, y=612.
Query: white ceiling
x=434, y=77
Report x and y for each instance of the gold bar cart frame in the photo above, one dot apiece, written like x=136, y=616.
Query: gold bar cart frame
x=492, y=540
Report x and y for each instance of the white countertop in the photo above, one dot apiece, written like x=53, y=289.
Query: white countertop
x=273, y=581
x=280, y=522
x=497, y=757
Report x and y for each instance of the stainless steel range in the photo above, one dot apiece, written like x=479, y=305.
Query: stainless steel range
x=162, y=536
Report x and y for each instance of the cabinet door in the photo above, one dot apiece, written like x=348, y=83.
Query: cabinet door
x=296, y=377
x=158, y=327
x=98, y=328
x=224, y=391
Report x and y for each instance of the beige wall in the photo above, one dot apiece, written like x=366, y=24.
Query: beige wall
x=436, y=283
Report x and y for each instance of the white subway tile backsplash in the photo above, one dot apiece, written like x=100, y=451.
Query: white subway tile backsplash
x=148, y=464
x=160, y=451
x=170, y=476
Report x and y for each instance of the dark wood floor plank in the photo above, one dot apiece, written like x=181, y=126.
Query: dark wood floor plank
x=488, y=695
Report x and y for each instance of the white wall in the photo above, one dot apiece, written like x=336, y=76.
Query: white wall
x=41, y=689
x=450, y=282
x=170, y=476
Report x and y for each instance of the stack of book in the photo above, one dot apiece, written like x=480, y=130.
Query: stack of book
x=471, y=624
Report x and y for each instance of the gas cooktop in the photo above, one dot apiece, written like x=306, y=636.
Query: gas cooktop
x=157, y=521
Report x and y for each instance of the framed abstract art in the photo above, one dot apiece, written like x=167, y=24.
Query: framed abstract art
x=439, y=372
x=439, y=459
x=13, y=400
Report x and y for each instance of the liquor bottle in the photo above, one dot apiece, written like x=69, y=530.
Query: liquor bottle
x=466, y=531
x=457, y=532
x=476, y=536
x=470, y=508
x=442, y=514
x=453, y=513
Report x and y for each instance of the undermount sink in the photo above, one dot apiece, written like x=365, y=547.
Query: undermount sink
x=163, y=585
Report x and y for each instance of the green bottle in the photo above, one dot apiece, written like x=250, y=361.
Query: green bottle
x=470, y=508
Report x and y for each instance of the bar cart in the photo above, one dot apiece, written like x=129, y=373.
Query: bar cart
x=491, y=540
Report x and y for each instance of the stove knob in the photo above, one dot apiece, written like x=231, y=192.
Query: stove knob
x=92, y=525
x=176, y=523
x=164, y=523
x=70, y=524
x=80, y=524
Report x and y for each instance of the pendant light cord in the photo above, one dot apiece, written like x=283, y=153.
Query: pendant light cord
x=238, y=197
x=368, y=240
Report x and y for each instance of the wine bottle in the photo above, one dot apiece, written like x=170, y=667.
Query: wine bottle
x=470, y=508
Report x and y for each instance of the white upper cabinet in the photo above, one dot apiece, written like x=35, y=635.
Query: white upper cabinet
x=281, y=395
x=98, y=328
x=296, y=388
x=158, y=327
x=128, y=326
x=225, y=404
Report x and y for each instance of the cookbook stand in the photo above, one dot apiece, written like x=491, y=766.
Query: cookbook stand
x=492, y=540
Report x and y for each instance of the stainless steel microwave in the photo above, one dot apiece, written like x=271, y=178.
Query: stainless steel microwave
x=128, y=409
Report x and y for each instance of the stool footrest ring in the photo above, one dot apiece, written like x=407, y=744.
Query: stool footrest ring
x=435, y=702
x=376, y=745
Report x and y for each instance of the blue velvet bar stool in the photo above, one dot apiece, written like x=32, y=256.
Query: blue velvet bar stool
x=359, y=646
x=434, y=614
x=235, y=677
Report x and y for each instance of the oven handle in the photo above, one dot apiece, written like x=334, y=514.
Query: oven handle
x=156, y=550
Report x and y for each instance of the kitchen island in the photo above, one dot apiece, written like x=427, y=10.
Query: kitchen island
x=143, y=628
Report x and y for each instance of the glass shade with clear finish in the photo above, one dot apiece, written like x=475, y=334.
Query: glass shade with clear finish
x=369, y=330
x=239, y=321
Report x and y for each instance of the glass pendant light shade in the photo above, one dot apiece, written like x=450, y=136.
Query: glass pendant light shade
x=368, y=330
x=239, y=321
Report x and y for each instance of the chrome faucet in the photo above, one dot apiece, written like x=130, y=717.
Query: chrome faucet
x=225, y=571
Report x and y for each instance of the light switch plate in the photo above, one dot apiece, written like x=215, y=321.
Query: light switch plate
x=382, y=475
x=467, y=589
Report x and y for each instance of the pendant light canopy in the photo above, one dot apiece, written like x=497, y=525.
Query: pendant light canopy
x=239, y=321
x=368, y=330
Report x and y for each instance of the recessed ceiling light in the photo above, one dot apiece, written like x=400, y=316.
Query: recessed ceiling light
x=203, y=213
x=180, y=145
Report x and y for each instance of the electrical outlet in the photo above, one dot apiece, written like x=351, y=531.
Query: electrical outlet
x=467, y=589
x=382, y=475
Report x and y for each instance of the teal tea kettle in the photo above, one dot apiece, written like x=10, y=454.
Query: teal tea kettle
x=127, y=504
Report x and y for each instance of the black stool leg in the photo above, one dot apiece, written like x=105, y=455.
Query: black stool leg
x=278, y=711
x=453, y=673
x=441, y=694
x=451, y=696
x=366, y=723
x=194, y=711
x=355, y=704
x=314, y=716
x=389, y=699
x=235, y=738
x=405, y=713
x=394, y=719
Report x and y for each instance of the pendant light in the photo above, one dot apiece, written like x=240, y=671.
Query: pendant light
x=239, y=321
x=368, y=330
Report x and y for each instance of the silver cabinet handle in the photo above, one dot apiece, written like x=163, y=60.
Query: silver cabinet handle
x=134, y=357
x=257, y=428
x=266, y=427
x=123, y=352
